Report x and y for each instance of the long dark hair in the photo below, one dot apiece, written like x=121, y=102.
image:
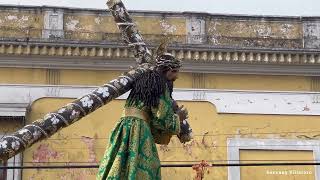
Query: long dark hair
x=170, y=87
x=148, y=88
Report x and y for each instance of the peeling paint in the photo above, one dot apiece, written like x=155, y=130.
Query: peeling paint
x=18, y=20
x=263, y=30
x=188, y=147
x=25, y=18
x=286, y=28
x=90, y=145
x=44, y=154
x=72, y=24
x=11, y=17
x=97, y=20
x=78, y=174
x=255, y=33
x=311, y=34
x=204, y=140
x=167, y=27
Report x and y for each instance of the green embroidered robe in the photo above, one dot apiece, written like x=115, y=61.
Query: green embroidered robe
x=132, y=152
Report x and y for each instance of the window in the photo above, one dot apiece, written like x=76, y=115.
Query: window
x=243, y=148
x=3, y=172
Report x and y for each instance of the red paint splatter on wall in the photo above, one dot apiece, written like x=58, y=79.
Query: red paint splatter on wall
x=203, y=141
x=188, y=147
x=44, y=153
x=90, y=144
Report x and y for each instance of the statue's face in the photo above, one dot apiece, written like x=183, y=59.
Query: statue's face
x=172, y=74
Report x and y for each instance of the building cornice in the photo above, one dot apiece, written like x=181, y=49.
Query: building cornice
x=45, y=62
x=196, y=58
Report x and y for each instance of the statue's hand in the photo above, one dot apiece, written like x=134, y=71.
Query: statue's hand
x=175, y=106
x=186, y=134
x=183, y=113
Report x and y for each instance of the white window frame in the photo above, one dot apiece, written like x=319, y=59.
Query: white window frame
x=237, y=144
x=14, y=174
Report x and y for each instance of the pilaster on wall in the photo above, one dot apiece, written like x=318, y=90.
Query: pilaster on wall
x=53, y=24
x=199, y=81
x=315, y=84
x=311, y=30
x=315, y=87
x=53, y=76
x=196, y=30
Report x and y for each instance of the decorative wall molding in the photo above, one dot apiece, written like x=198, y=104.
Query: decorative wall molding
x=187, y=53
x=114, y=64
x=16, y=99
x=235, y=145
x=255, y=102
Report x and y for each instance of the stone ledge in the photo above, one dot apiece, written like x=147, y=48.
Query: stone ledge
x=188, y=53
x=96, y=63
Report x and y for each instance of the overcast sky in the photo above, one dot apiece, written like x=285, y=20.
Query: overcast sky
x=251, y=7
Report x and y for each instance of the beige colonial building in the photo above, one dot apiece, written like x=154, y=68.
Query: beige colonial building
x=249, y=82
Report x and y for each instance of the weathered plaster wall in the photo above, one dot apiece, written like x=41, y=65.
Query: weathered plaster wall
x=312, y=34
x=17, y=23
x=218, y=30
x=186, y=80
x=89, y=27
x=228, y=31
x=86, y=140
x=102, y=27
x=152, y=27
x=255, y=33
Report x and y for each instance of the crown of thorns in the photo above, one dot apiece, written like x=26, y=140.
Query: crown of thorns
x=168, y=60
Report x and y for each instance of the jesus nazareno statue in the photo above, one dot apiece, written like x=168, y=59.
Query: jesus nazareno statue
x=148, y=118
x=150, y=115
